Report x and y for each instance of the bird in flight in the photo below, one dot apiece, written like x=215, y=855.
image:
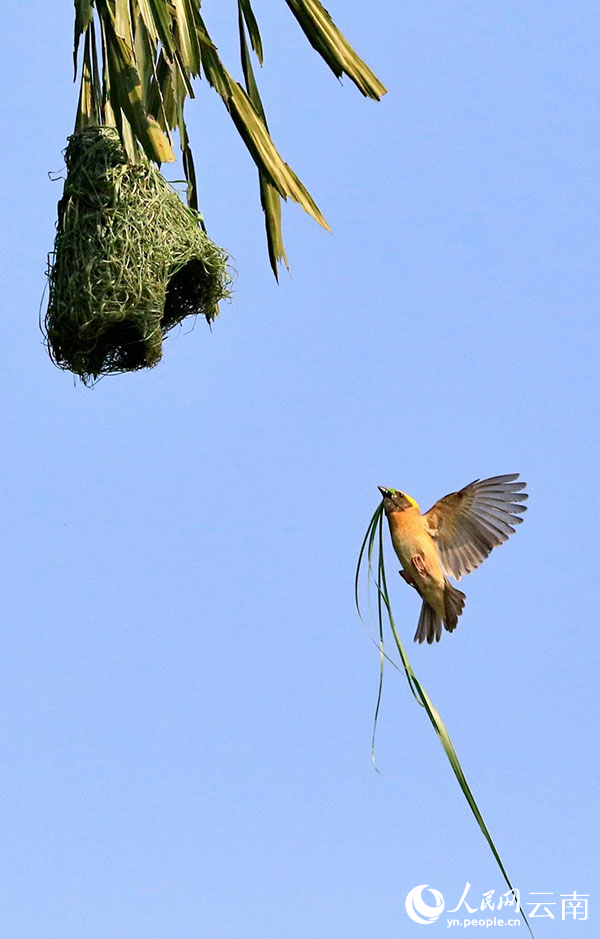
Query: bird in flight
x=451, y=539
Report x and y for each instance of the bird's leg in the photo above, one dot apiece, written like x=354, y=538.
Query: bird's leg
x=408, y=579
x=419, y=565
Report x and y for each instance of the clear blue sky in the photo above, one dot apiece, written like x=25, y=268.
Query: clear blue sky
x=186, y=694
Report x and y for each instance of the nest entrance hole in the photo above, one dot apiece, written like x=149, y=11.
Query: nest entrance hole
x=186, y=293
x=123, y=342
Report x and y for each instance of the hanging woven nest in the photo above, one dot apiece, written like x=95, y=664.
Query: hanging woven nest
x=130, y=261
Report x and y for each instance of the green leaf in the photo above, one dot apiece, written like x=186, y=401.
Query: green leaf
x=162, y=101
x=253, y=31
x=122, y=22
x=190, y=176
x=325, y=37
x=144, y=57
x=269, y=197
x=253, y=130
x=265, y=154
x=97, y=94
x=126, y=93
x=271, y=206
x=84, y=14
x=213, y=67
x=159, y=13
x=85, y=107
x=147, y=17
x=251, y=86
x=186, y=37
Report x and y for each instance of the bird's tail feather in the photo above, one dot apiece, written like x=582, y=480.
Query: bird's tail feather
x=429, y=626
x=454, y=602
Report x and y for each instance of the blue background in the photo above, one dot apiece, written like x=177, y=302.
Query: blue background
x=186, y=694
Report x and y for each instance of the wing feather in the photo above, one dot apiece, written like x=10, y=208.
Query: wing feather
x=467, y=525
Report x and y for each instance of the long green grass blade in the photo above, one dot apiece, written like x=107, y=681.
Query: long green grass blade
x=369, y=538
x=383, y=599
x=375, y=532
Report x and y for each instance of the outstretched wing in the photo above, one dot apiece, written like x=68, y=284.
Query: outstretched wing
x=467, y=524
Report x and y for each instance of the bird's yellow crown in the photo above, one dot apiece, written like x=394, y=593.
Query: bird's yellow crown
x=410, y=499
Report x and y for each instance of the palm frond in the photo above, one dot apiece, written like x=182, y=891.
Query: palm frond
x=151, y=50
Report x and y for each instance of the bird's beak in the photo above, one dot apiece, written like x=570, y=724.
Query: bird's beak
x=384, y=492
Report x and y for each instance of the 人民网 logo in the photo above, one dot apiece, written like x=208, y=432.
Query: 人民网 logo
x=419, y=910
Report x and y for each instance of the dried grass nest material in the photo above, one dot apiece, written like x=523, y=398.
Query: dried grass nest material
x=130, y=261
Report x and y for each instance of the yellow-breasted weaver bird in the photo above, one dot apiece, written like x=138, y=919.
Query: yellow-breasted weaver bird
x=453, y=538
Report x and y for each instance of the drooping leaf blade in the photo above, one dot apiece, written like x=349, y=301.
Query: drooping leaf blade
x=126, y=94
x=332, y=45
x=269, y=197
x=84, y=14
x=85, y=107
x=253, y=30
x=147, y=16
x=122, y=22
x=162, y=22
x=144, y=56
x=253, y=131
x=186, y=36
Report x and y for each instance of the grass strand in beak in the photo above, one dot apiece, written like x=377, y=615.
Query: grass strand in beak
x=374, y=534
